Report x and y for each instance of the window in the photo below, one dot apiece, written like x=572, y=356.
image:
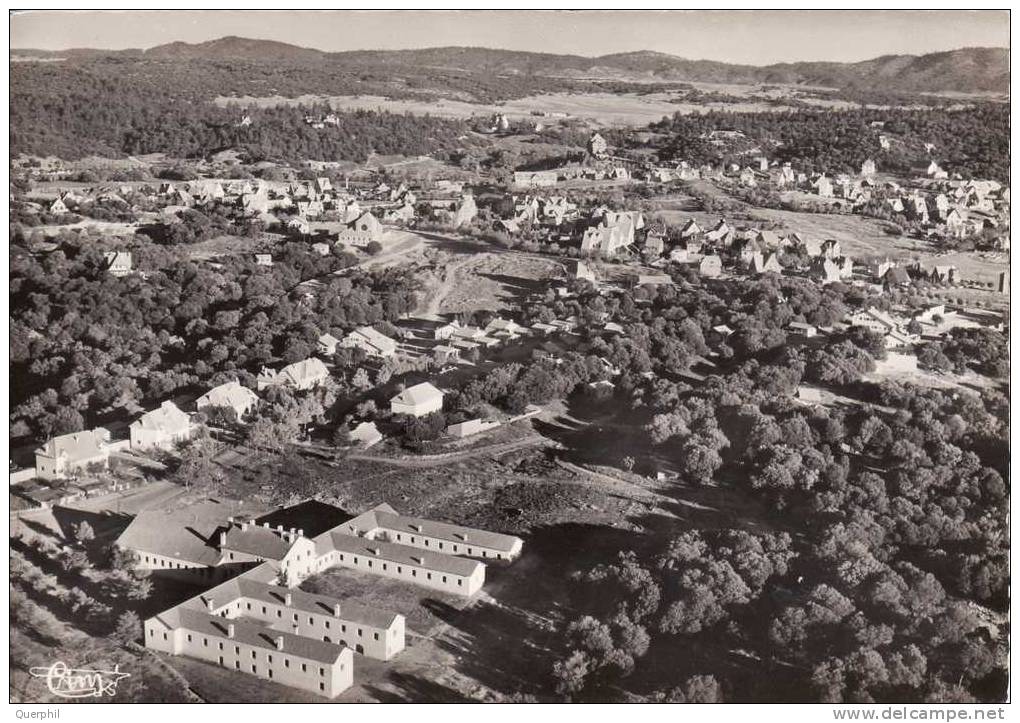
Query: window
x=263, y=609
x=400, y=570
x=254, y=669
x=343, y=628
x=440, y=545
x=341, y=558
x=426, y=542
x=322, y=672
x=311, y=620
x=205, y=642
x=359, y=632
x=470, y=552
x=460, y=583
x=428, y=575
x=279, y=613
x=249, y=606
x=375, y=635
x=384, y=566
x=237, y=665
x=454, y=548
x=398, y=537
x=270, y=673
x=221, y=646
x=322, y=686
x=189, y=637
x=327, y=625
x=253, y=655
x=286, y=662
x=304, y=668
x=151, y=633
x=444, y=578
x=414, y=573
x=221, y=660
x=295, y=617
x=269, y=658
x=370, y=563
x=237, y=650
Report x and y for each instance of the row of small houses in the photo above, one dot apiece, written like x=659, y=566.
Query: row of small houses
x=167, y=425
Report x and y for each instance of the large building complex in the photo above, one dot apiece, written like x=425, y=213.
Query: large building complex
x=256, y=620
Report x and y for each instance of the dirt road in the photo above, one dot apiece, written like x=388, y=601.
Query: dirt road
x=438, y=460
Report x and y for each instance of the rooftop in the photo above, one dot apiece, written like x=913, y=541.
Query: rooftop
x=398, y=554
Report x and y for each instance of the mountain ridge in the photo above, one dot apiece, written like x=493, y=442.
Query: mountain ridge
x=980, y=69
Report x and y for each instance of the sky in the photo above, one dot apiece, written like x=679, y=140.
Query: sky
x=758, y=37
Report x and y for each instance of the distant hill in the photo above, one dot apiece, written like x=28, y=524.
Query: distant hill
x=965, y=70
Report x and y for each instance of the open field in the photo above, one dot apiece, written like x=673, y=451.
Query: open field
x=608, y=109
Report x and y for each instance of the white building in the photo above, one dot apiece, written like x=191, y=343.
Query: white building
x=161, y=428
x=419, y=400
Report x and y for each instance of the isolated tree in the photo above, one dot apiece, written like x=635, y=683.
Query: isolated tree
x=128, y=629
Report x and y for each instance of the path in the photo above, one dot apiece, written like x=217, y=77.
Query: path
x=607, y=483
x=450, y=278
x=436, y=460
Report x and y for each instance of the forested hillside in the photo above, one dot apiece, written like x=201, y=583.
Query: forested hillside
x=973, y=141
x=71, y=111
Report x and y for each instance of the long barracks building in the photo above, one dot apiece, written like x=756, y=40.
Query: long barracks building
x=259, y=622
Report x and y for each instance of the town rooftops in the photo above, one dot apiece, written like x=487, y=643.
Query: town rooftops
x=418, y=394
x=396, y=553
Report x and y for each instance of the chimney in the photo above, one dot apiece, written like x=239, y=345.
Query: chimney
x=266, y=525
x=279, y=528
x=300, y=533
x=244, y=526
x=336, y=609
x=210, y=604
x=279, y=642
x=223, y=539
x=287, y=599
x=230, y=630
x=230, y=519
x=292, y=531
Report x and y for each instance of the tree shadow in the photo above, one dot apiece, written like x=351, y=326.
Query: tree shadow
x=413, y=689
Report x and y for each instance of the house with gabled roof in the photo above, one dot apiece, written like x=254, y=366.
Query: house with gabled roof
x=231, y=395
x=69, y=453
x=162, y=428
x=365, y=434
x=370, y=341
x=327, y=344
x=300, y=376
x=417, y=401
x=361, y=231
